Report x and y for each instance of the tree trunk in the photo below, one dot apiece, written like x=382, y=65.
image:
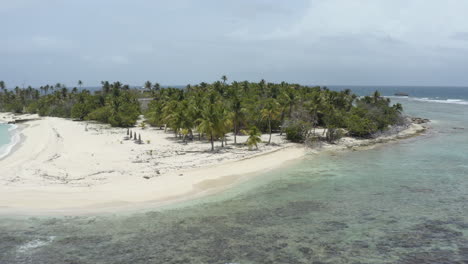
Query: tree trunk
x=282, y=122
x=235, y=133
x=269, y=127
x=212, y=143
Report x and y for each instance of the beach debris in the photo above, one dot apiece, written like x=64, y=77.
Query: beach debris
x=147, y=177
x=54, y=157
x=17, y=121
x=101, y=172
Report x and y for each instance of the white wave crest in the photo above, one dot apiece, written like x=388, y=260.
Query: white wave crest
x=431, y=100
x=35, y=244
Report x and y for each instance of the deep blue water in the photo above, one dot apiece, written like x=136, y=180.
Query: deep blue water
x=404, y=202
x=415, y=92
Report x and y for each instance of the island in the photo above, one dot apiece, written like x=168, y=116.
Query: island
x=104, y=150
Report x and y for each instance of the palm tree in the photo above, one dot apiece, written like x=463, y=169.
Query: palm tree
x=2, y=85
x=156, y=88
x=254, y=137
x=224, y=79
x=270, y=112
x=148, y=85
x=398, y=107
x=210, y=122
x=286, y=99
x=376, y=96
x=225, y=125
x=237, y=115
x=106, y=87
x=64, y=92
x=207, y=125
x=80, y=83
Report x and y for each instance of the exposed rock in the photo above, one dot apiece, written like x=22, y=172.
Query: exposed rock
x=17, y=121
x=418, y=120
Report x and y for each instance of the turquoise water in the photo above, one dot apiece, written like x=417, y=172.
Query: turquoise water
x=404, y=202
x=5, y=137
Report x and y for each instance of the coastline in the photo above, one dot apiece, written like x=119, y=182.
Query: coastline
x=61, y=170
x=15, y=137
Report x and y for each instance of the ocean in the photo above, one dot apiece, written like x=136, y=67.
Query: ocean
x=402, y=202
x=7, y=139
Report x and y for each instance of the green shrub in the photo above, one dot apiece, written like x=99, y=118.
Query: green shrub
x=360, y=126
x=334, y=134
x=295, y=133
x=101, y=114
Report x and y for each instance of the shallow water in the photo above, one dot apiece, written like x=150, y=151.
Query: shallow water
x=4, y=134
x=404, y=202
x=5, y=138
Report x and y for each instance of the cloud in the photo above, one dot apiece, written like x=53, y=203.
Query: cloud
x=460, y=36
x=413, y=21
x=35, y=44
x=334, y=41
x=118, y=59
x=105, y=61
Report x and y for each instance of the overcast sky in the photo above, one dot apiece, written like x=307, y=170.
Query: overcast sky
x=356, y=42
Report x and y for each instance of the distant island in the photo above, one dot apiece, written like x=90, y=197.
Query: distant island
x=120, y=145
x=401, y=94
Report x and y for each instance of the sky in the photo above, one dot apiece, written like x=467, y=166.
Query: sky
x=177, y=42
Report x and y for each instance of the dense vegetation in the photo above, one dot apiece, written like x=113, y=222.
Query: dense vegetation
x=115, y=104
x=214, y=110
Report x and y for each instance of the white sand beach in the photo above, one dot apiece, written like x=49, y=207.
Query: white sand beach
x=68, y=167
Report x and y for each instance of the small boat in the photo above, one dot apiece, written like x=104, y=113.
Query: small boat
x=401, y=94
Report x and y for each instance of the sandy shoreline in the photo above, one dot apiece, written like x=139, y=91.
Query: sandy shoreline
x=67, y=167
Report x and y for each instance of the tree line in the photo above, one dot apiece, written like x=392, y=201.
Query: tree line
x=214, y=110
x=115, y=104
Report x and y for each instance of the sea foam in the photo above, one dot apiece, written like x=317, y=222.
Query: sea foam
x=432, y=100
